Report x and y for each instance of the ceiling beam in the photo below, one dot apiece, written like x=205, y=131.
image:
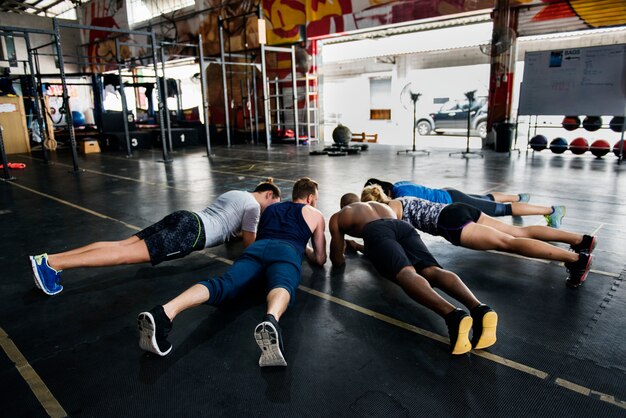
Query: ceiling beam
x=25, y=6
x=45, y=8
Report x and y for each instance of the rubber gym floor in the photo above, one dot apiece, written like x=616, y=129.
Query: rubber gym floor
x=356, y=345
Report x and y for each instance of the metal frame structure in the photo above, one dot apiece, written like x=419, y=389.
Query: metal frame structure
x=25, y=34
x=266, y=92
x=246, y=103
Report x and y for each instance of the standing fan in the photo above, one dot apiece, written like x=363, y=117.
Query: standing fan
x=407, y=96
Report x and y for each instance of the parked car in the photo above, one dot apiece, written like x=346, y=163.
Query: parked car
x=452, y=118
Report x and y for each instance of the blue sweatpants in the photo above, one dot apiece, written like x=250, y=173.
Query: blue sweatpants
x=276, y=262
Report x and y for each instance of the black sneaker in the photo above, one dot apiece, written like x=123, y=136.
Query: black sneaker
x=267, y=336
x=485, y=322
x=459, y=325
x=578, y=270
x=154, y=326
x=586, y=245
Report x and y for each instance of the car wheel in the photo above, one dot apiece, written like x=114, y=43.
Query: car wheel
x=481, y=128
x=423, y=127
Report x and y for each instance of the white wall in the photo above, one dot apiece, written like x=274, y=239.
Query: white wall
x=69, y=38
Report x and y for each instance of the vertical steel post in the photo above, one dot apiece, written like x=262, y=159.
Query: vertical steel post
x=5, y=163
x=153, y=42
x=166, y=110
x=129, y=150
x=66, y=98
x=295, y=93
x=256, y=106
x=224, y=86
x=205, y=96
x=249, y=106
x=36, y=99
x=266, y=99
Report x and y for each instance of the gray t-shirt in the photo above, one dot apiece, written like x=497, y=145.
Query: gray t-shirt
x=420, y=213
x=231, y=212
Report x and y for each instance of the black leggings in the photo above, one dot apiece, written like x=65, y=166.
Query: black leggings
x=487, y=207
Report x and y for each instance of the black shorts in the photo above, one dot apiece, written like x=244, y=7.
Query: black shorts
x=392, y=245
x=453, y=218
x=174, y=236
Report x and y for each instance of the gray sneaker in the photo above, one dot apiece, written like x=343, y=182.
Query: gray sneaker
x=269, y=340
x=555, y=218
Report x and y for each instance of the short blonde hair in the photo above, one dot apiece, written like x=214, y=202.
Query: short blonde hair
x=374, y=193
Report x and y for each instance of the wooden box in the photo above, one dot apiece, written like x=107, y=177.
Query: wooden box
x=13, y=121
x=89, y=146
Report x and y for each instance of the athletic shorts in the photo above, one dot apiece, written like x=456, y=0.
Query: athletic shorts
x=174, y=236
x=392, y=245
x=274, y=262
x=453, y=218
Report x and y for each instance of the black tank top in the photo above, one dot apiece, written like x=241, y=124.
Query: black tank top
x=284, y=221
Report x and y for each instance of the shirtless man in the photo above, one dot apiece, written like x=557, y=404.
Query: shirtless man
x=398, y=253
x=275, y=257
x=175, y=236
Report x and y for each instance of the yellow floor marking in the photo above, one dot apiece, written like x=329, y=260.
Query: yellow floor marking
x=590, y=392
x=595, y=231
x=111, y=175
x=65, y=202
x=30, y=376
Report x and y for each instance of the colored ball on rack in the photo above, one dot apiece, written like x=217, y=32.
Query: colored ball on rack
x=616, y=148
x=78, y=118
x=600, y=148
x=579, y=146
x=617, y=124
x=539, y=142
x=571, y=123
x=592, y=123
x=558, y=145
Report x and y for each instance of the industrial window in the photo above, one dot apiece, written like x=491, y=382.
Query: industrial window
x=380, y=98
x=141, y=10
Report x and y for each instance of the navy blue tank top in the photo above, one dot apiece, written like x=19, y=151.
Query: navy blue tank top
x=284, y=221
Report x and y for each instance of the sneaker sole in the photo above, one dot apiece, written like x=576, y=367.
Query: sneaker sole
x=583, y=277
x=488, y=336
x=33, y=266
x=463, y=344
x=38, y=281
x=266, y=338
x=147, y=338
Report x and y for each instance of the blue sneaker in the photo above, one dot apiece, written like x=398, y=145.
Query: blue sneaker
x=524, y=197
x=46, y=278
x=555, y=218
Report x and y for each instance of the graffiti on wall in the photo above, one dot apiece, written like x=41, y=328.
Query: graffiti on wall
x=569, y=15
x=100, y=49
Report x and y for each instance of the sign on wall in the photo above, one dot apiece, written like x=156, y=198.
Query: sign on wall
x=580, y=81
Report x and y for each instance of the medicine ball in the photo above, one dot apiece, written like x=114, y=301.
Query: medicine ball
x=600, y=148
x=592, y=123
x=341, y=134
x=617, y=124
x=539, y=142
x=78, y=118
x=558, y=145
x=616, y=148
x=571, y=123
x=579, y=146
